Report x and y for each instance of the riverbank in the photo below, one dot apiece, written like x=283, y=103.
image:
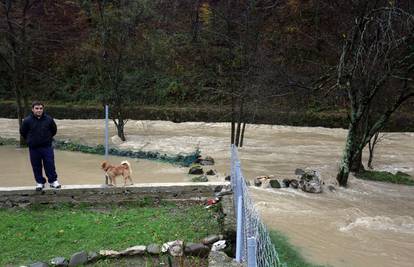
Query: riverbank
x=400, y=122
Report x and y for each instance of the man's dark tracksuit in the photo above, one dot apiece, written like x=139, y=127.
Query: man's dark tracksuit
x=38, y=133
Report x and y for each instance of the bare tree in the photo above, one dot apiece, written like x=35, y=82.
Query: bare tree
x=375, y=70
x=15, y=50
x=376, y=139
x=115, y=35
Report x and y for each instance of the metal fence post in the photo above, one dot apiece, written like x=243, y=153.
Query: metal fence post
x=106, y=137
x=239, y=234
x=251, y=252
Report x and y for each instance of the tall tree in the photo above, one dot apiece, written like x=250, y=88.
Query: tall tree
x=375, y=70
x=16, y=50
x=116, y=25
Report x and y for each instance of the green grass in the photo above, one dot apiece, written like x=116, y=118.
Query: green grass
x=41, y=233
x=382, y=176
x=288, y=254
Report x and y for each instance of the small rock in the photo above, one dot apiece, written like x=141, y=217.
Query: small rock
x=196, y=170
x=220, y=259
x=93, y=256
x=174, y=247
x=109, y=253
x=224, y=193
x=207, y=161
x=274, y=183
x=59, y=261
x=331, y=188
x=286, y=182
x=227, y=178
x=218, y=188
x=294, y=183
x=197, y=250
x=299, y=172
x=201, y=178
x=154, y=249
x=211, y=239
x=39, y=264
x=211, y=172
x=135, y=250
x=257, y=182
x=219, y=245
x=78, y=258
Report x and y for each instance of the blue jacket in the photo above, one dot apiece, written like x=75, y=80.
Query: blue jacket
x=38, y=132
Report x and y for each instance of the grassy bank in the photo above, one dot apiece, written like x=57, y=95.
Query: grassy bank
x=387, y=177
x=184, y=160
x=288, y=254
x=44, y=232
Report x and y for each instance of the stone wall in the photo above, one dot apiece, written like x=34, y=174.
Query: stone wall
x=22, y=196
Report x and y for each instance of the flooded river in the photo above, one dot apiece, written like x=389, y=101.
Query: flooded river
x=367, y=224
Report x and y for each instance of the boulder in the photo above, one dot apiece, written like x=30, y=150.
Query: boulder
x=311, y=182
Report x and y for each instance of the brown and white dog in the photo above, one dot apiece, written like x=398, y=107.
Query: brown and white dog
x=112, y=171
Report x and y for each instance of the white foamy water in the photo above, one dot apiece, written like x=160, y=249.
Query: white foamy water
x=366, y=224
x=400, y=224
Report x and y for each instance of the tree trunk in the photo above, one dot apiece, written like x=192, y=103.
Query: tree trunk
x=356, y=165
x=242, y=134
x=233, y=119
x=371, y=146
x=343, y=174
x=120, y=129
x=20, y=113
x=239, y=123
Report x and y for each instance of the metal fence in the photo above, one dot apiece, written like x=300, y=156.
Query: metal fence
x=253, y=244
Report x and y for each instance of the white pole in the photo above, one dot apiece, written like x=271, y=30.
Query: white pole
x=239, y=234
x=106, y=137
x=251, y=252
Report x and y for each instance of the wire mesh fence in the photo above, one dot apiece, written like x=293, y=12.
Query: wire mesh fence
x=253, y=244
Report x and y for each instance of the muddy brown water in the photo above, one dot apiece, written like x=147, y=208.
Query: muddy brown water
x=366, y=224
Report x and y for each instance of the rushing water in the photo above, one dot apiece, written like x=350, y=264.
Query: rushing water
x=366, y=224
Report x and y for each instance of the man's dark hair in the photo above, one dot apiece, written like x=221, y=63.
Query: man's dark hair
x=37, y=103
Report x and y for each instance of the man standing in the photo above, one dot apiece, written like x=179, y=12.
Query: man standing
x=38, y=130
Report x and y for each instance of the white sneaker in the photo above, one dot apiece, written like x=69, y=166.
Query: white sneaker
x=39, y=187
x=55, y=184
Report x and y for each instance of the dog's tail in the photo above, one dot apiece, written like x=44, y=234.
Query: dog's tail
x=126, y=163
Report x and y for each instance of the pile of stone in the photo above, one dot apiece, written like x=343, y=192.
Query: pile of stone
x=308, y=181
x=176, y=248
x=197, y=169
